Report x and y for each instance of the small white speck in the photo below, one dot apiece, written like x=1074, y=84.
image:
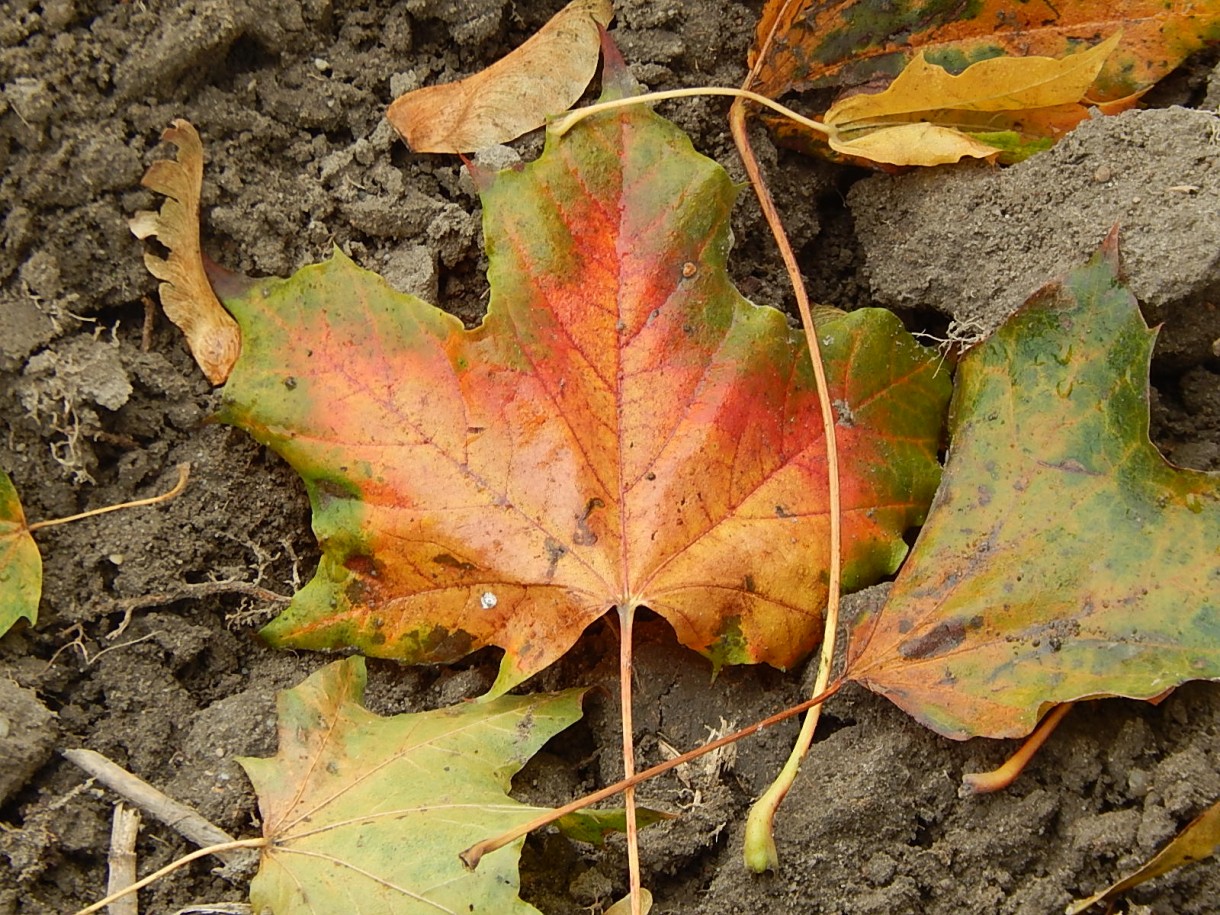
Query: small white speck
x=488, y=600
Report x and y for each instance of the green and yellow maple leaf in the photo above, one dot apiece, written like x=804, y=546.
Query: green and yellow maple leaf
x=20, y=562
x=1063, y=558
x=369, y=814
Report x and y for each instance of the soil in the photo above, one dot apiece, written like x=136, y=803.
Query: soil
x=136, y=656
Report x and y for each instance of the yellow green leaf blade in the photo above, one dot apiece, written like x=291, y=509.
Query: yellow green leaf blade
x=924, y=117
x=1063, y=557
x=20, y=562
x=369, y=814
x=913, y=144
x=1199, y=840
x=997, y=84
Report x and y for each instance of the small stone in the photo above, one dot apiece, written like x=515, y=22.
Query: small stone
x=880, y=869
x=28, y=738
x=1103, y=174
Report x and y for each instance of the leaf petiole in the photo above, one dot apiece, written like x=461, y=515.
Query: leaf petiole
x=260, y=842
x=572, y=118
x=1005, y=775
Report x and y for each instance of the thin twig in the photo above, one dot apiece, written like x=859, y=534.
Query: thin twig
x=124, y=829
x=471, y=856
x=178, y=816
x=192, y=590
x=759, y=850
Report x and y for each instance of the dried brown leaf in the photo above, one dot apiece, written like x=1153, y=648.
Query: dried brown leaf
x=186, y=294
x=513, y=96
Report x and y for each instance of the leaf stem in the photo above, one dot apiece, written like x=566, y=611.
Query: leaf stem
x=572, y=118
x=1005, y=775
x=760, y=853
x=260, y=842
x=626, y=638
x=471, y=856
x=184, y=472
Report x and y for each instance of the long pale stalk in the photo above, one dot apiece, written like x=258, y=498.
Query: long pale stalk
x=759, y=851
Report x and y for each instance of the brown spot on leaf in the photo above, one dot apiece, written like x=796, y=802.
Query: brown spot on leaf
x=943, y=637
x=452, y=562
x=584, y=535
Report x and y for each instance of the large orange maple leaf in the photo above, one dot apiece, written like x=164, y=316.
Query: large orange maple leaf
x=622, y=430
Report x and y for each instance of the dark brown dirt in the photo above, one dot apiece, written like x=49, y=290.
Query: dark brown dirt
x=289, y=98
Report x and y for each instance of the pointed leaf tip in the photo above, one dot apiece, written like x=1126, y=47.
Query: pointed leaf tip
x=617, y=81
x=1198, y=841
x=515, y=95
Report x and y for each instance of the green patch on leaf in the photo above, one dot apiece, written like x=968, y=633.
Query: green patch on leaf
x=593, y=826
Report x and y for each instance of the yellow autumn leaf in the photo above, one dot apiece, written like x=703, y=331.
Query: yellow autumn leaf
x=513, y=96
x=1198, y=840
x=919, y=143
x=895, y=126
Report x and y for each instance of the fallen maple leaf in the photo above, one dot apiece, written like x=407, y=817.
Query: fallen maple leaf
x=20, y=562
x=513, y=96
x=186, y=294
x=622, y=430
x=1200, y=839
x=1063, y=557
x=926, y=115
x=862, y=45
x=368, y=814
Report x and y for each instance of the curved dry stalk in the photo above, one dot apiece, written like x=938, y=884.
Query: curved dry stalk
x=562, y=125
x=171, y=867
x=760, y=853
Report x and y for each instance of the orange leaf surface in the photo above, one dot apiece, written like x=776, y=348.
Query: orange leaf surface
x=623, y=429
x=513, y=96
